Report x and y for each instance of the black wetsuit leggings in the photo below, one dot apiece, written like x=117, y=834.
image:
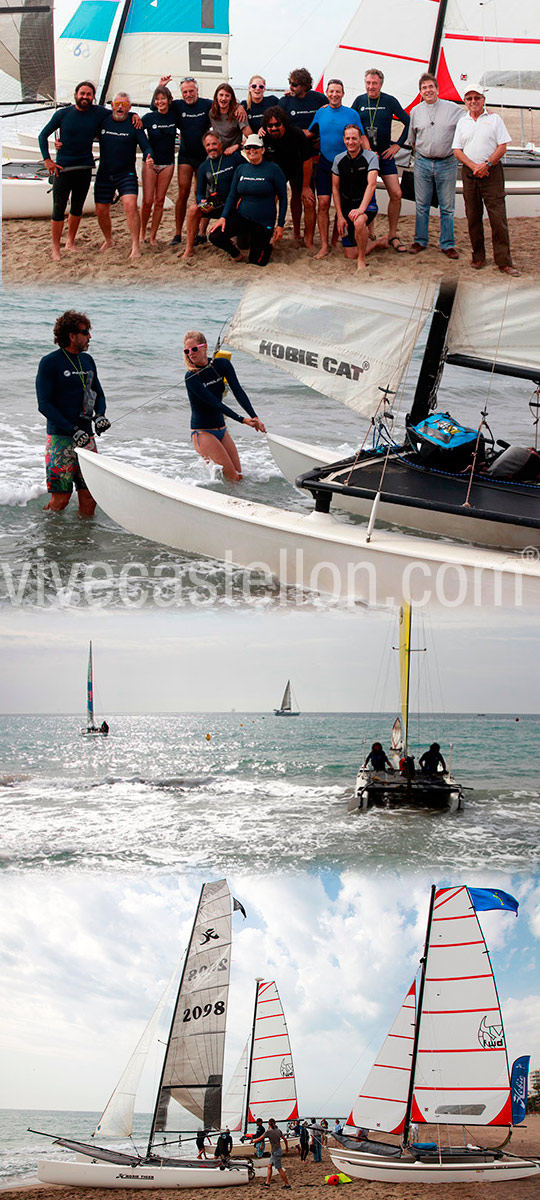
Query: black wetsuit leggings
x=257, y=236
x=304, y=1151
x=77, y=182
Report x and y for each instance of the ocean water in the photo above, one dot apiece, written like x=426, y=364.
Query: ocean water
x=59, y=560
x=260, y=794
x=20, y=1149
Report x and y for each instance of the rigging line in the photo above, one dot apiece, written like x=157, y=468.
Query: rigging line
x=466, y=502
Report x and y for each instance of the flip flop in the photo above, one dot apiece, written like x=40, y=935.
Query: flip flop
x=399, y=248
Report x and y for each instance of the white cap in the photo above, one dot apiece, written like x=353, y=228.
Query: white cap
x=253, y=140
x=473, y=87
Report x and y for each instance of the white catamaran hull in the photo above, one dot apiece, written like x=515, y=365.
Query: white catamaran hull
x=111, y=1175
x=294, y=458
x=28, y=198
x=314, y=552
x=399, y=1170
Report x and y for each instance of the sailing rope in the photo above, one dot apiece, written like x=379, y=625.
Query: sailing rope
x=485, y=410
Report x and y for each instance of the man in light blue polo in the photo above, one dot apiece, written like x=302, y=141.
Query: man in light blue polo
x=329, y=124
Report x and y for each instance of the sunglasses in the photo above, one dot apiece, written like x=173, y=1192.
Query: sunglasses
x=85, y=331
x=188, y=79
x=198, y=346
x=257, y=87
x=275, y=125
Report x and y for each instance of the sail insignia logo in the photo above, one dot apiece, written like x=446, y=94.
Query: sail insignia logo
x=286, y=1069
x=491, y=1037
x=208, y=935
x=311, y=358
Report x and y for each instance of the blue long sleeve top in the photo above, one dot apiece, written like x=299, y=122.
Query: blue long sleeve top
x=60, y=391
x=205, y=390
x=254, y=191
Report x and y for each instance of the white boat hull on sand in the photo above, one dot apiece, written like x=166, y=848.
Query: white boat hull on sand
x=23, y=199
x=111, y=1175
x=399, y=1170
x=314, y=552
x=294, y=458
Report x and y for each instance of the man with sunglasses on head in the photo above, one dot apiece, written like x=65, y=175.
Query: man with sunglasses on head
x=118, y=141
x=287, y=146
x=71, y=399
x=192, y=116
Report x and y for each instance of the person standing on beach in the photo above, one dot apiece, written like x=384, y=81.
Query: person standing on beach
x=301, y=104
x=304, y=1142
x=70, y=397
x=377, y=110
x=480, y=141
x=77, y=126
x=118, y=141
x=192, y=115
x=275, y=1137
x=287, y=146
x=431, y=133
x=329, y=124
x=316, y=1142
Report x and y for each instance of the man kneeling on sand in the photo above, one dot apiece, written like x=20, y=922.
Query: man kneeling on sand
x=214, y=179
x=354, y=179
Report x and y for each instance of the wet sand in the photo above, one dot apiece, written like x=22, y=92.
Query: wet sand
x=311, y=1176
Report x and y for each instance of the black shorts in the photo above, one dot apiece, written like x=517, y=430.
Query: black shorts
x=350, y=237
x=75, y=182
x=190, y=160
x=106, y=185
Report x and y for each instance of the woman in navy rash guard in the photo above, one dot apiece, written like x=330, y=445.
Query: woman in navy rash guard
x=206, y=380
x=250, y=208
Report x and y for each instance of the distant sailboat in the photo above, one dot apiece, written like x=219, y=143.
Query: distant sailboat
x=263, y=1083
x=286, y=709
x=191, y=1077
x=91, y=728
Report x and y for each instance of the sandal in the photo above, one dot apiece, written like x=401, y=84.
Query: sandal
x=397, y=245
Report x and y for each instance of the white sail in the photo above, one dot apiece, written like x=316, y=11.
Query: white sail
x=272, y=1088
x=347, y=344
x=233, y=1102
x=117, y=1117
x=27, y=48
x=81, y=46
x=168, y=38
x=394, y=35
x=286, y=699
x=499, y=329
x=193, y=1067
x=382, y=1103
x=496, y=45
x=462, y=1074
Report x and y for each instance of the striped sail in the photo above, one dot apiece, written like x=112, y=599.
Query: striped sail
x=90, y=690
x=382, y=1103
x=163, y=37
x=233, y=1102
x=394, y=35
x=193, y=1068
x=82, y=44
x=462, y=1074
x=272, y=1090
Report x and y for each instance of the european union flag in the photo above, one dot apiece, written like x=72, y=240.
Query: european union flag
x=484, y=898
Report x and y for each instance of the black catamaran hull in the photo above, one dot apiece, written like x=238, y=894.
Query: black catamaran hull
x=391, y=792
x=495, y=512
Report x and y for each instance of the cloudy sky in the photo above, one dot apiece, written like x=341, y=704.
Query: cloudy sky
x=151, y=661
x=83, y=961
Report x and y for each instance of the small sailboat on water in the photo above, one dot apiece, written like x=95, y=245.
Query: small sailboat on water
x=286, y=707
x=92, y=730
x=191, y=1077
x=444, y=1062
x=399, y=781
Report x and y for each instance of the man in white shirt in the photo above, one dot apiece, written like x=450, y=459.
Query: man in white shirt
x=480, y=140
x=431, y=133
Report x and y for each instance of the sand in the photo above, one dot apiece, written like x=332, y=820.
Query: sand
x=311, y=1176
x=27, y=250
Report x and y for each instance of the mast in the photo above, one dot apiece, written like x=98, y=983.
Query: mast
x=419, y=1002
x=432, y=363
x=114, y=52
x=437, y=38
x=250, y=1059
x=90, y=690
x=405, y=622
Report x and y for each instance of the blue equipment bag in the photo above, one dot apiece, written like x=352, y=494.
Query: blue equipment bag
x=444, y=444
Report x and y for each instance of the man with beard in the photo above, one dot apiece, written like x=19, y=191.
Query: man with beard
x=287, y=145
x=77, y=127
x=214, y=179
x=118, y=141
x=70, y=397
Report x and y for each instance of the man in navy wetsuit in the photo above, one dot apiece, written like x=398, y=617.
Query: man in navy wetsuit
x=377, y=110
x=192, y=115
x=77, y=127
x=70, y=397
x=118, y=141
x=214, y=179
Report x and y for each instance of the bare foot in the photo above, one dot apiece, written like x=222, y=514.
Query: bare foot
x=239, y=259
x=377, y=244
x=55, y=255
x=188, y=254
x=323, y=252
x=135, y=253
x=299, y=242
x=309, y=245
x=153, y=242
x=107, y=245
x=361, y=266
x=71, y=246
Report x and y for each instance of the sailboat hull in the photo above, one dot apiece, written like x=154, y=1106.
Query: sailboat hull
x=383, y=790
x=314, y=552
x=113, y=1175
x=461, y=1168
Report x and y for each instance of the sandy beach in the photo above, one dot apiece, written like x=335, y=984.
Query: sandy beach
x=27, y=257
x=304, y=1176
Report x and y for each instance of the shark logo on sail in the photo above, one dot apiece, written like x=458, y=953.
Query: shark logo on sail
x=491, y=1037
x=312, y=358
x=286, y=1069
x=208, y=935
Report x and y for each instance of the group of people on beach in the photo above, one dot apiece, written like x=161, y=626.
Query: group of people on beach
x=249, y=161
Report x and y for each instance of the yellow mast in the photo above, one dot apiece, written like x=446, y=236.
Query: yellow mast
x=405, y=616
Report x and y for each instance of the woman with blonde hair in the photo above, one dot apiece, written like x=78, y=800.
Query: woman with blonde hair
x=257, y=102
x=206, y=380
x=228, y=119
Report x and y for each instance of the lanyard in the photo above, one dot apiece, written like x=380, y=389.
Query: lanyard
x=79, y=370
x=372, y=118
x=216, y=173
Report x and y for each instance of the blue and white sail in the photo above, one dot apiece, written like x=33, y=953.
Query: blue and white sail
x=82, y=45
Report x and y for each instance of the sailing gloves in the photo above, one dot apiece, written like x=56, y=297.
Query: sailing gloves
x=81, y=438
x=101, y=425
